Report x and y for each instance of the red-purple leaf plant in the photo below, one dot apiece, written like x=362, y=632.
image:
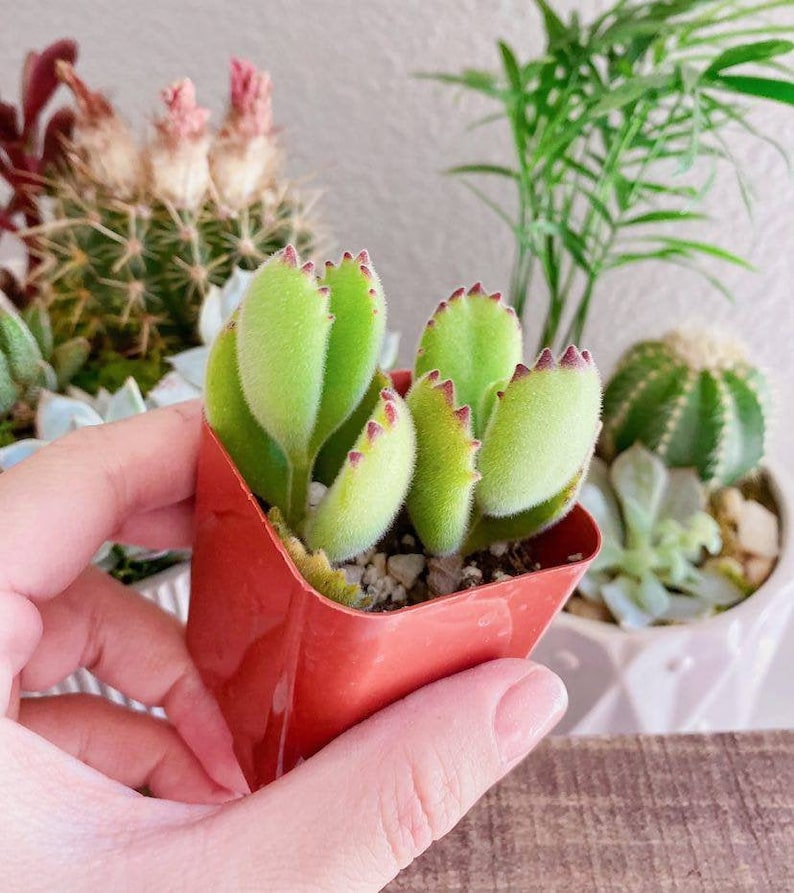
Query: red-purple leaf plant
x=29, y=143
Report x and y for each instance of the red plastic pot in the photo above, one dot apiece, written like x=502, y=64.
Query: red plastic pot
x=292, y=670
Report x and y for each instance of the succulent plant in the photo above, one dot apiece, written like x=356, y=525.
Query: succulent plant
x=136, y=237
x=656, y=536
x=694, y=400
x=501, y=447
x=294, y=393
x=290, y=373
x=31, y=361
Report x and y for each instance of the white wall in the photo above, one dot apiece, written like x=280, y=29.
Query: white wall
x=376, y=139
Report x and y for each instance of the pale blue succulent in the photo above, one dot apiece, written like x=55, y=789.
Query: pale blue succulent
x=656, y=533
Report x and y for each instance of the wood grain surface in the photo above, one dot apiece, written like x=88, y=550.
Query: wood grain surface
x=634, y=813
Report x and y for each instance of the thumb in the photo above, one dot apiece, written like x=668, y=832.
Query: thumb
x=373, y=800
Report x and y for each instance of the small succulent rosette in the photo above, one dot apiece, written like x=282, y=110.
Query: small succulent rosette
x=309, y=454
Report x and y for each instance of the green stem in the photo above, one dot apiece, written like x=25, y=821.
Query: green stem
x=298, y=481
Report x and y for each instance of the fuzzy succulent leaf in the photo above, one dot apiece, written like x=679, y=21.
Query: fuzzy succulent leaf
x=354, y=345
x=20, y=348
x=257, y=456
x=441, y=495
x=8, y=390
x=69, y=358
x=315, y=567
x=332, y=456
x=37, y=320
x=474, y=339
x=284, y=326
x=540, y=433
x=369, y=490
x=487, y=530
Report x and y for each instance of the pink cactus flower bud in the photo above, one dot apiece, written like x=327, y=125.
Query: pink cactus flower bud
x=245, y=160
x=178, y=154
x=101, y=139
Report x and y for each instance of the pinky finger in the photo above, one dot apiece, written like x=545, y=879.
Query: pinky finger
x=133, y=748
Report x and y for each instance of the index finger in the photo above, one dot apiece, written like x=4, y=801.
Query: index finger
x=61, y=504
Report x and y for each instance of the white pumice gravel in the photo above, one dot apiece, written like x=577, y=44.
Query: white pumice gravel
x=406, y=568
x=498, y=549
x=316, y=493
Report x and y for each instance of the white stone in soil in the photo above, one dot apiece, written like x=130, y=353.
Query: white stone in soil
x=353, y=573
x=379, y=562
x=365, y=557
x=471, y=574
x=757, y=530
x=501, y=575
x=399, y=595
x=406, y=568
x=316, y=493
x=408, y=541
x=498, y=549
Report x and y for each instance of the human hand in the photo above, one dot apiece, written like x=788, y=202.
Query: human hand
x=348, y=819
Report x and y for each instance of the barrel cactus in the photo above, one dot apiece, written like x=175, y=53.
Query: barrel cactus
x=136, y=236
x=693, y=399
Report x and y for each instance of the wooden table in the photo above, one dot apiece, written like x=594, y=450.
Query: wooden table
x=634, y=813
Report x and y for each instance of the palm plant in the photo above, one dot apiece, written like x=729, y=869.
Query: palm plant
x=600, y=121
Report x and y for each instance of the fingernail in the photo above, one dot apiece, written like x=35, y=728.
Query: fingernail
x=528, y=710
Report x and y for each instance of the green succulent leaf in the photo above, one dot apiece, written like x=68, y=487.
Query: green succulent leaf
x=8, y=390
x=257, y=456
x=334, y=451
x=37, y=319
x=474, y=339
x=354, y=345
x=315, y=567
x=487, y=530
x=640, y=481
x=369, y=490
x=284, y=326
x=440, y=499
x=540, y=434
x=20, y=348
x=69, y=358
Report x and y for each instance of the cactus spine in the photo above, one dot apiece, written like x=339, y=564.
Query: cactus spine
x=694, y=400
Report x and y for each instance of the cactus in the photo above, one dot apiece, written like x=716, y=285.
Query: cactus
x=137, y=237
x=292, y=366
x=30, y=361
x=692, y=399
x=482, y=449
x=656, y=532
x=501, y=448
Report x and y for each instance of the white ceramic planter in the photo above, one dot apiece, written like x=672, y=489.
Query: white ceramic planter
x=703, y=676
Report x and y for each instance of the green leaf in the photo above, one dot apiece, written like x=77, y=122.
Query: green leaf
x=475, y=340
x=359, y=310
x=541, y=432
x=440, y=499
x=20, y=348
x=631, y=91
x=511, y=66
x=764, y=88
x=284, y=326
x=68, y=358
x=556, y=30
x=371, y=486
x=334, y=452
x=663, y=216
x=488, y=530
x=256, y=455
x=687, y=246
x=8, y=390
x=749, y=52
x=496, y=169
